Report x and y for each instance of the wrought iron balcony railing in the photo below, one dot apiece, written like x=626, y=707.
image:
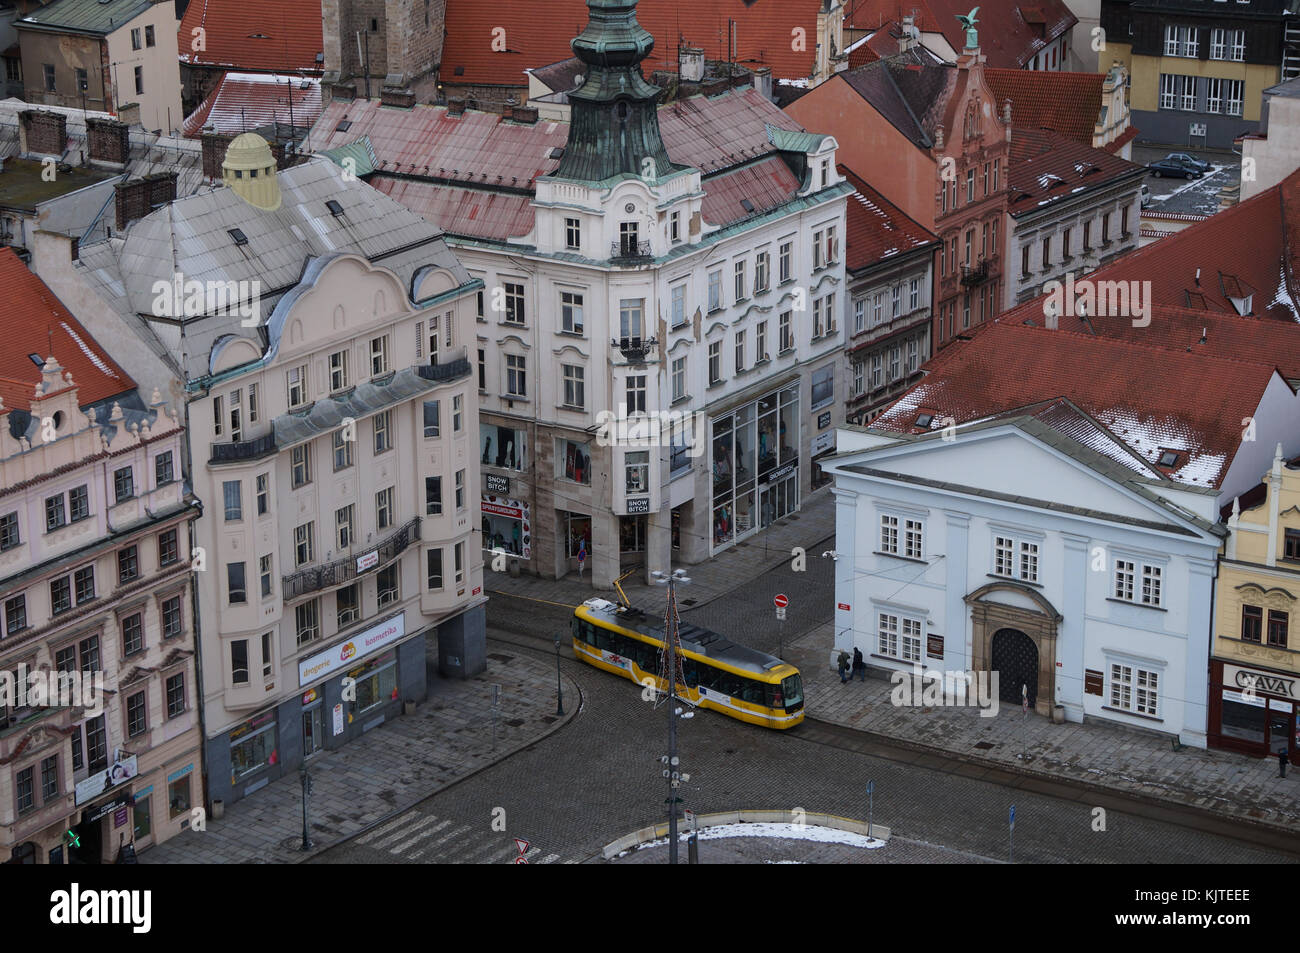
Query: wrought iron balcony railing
x=624, y=250
x=634, y=350
x=242, y=450
x=444, y=370
x=975, y=274
x=339, y=571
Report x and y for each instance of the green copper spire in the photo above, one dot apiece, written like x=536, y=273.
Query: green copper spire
x=614, y=126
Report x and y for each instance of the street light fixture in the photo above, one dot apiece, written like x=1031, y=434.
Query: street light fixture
x=670, y=641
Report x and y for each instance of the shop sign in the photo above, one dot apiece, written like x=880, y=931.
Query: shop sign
x=638, y=504
x=177, y=775
x=92, y=814
x=1256, y=682
x=496, y=484
x=251, y=725
x=369, y=561
x=338, y=719
x=376, y=637
x=496, y=509
x=101, y=781
x=309, y=697
x=934, y=646
x=823, y=420
x=1094, y=682
x=781, y=474
x=823, y=442
x=119, y=817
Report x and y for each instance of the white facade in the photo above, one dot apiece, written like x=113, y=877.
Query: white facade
x=945, y=544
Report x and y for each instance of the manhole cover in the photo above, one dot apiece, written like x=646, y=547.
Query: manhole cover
x=984, y=745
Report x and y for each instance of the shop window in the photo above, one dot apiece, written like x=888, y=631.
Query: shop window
x=637, y=466
x=143, y=821
x=823, y=386
x=248, y=754
x=577, y=534
x=377, y=686
x=503, y=447
x=573, y=461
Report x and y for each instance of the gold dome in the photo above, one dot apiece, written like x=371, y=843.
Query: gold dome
x=249, y=169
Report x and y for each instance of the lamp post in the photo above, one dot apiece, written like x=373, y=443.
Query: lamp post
x=559, y=686
x=306, y=791
x=670, y=676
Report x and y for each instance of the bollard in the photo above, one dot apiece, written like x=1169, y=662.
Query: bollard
x=693, y=849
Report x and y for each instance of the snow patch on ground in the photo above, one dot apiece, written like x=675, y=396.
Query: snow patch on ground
x=825, y=835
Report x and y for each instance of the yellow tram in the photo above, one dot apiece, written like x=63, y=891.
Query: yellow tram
x=720, y=675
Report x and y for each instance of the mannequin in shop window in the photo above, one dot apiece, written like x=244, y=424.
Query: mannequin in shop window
x=518, y=550
x=721, y=529
x=487, y=450
x=741, y=473
x=722, y=467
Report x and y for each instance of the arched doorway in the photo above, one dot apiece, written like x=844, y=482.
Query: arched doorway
x=1014, y=656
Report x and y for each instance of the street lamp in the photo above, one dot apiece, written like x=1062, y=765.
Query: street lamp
x=306, y=790
x=559, y=686
x=670, y=641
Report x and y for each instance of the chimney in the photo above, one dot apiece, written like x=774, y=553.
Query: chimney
x=1198, y=277
x=455, y=107
x=401, y=98
x=527, y=115
x=340, y=91
x=908, y=39
x=214, y=153
x=763, y=81
x=690, y=64
x=131, y=199
x=129, y=114
x=44, y=133
x=108, y=141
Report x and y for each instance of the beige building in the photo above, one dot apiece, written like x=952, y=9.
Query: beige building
x=333, y=423
x=1273, y=152
x=94, y=578
x=105, y=55
x=1255, y=667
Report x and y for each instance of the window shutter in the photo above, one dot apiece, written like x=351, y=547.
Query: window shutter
x=419, y=340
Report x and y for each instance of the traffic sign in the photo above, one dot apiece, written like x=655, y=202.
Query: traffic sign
x=780, y=613
x=871, y=786
x=781, y=600
x=1012, y=817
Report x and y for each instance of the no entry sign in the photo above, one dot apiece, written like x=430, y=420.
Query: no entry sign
x=780, y=601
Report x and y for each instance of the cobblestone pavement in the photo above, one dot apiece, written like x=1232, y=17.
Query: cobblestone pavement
x=599, y=778
x=775, y=850
x=710, y=579
x=388, y=769
x=1227, y=783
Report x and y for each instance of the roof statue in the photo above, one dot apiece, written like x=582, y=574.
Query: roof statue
x=972, y=35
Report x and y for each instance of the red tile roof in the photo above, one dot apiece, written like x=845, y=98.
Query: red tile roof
x=763, y=35
x=1123, y=139
x=766, y=185
x=1007, y=34
x=877, y=229
x=1068, y=103
x=1255, y=243
x=242, y=102
x=1148, y=398
x=279, y=35
x=1045, y=165
x=34, y=321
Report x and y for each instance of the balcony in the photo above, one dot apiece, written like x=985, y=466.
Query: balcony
x=341, y=571
x=241, y=451
x=975, y=274
x=444, y=370
x=628, y=250
x=634, y=350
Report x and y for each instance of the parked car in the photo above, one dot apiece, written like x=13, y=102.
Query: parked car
x=1146, y=195
x=1186, y=158
x=1173, y=168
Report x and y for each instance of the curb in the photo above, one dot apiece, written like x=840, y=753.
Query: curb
x=1090, y=786
x=658, y=831
x=510, y=752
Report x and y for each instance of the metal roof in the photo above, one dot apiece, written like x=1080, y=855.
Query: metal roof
x=242, y=102
x=366, y=398
x=361, y=152
x=85, y=16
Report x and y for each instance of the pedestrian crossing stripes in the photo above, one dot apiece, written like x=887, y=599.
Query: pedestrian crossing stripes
x=416, y=837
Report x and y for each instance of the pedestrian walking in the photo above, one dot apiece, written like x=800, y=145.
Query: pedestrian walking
x=1281, y=762
x=859, y=665
x=582, y=556
x=844, y=667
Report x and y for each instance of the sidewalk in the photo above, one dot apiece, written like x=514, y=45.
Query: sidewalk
x=710, y=579
x=388, y=770
x=1229, y=784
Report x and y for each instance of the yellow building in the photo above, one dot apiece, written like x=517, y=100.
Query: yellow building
x=1255, y=665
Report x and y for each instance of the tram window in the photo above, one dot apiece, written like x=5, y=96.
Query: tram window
x=690, y=673
x=728, y=684
x=769, y=695
x=647, y=657
x=708, y=677
x=752, y=692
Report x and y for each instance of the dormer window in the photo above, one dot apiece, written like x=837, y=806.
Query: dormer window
x=238, y=235
x=1168, y=458
x=334, y=207
x=924, y=420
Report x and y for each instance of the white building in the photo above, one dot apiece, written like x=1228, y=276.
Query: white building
x=1058, y=531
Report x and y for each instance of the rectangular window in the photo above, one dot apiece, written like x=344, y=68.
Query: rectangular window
x=457, y=413
x=570, y=314
x=162, y=469
x=516, y=375
x=139, y=80
x=135, y=39
x=343, y=535
x=1252, y=623
x=386, y=583
x=175, y=695
x=760, y=341
x=482, y=369
x=239, y=662
x=1291, y=544
x=384, y=508
x=970, y=185
x=173, y=620
x=304, y=544
x=674, y=227
x=911, y=640
x=97, y=744
x=9, y=537
x=434, y=569
x=859, y=377
x=786, y=342
x=1124, y=572
x=573, y=234
x=1235, y=92
x=338, y=367
x=514, y=303
x=877, y=370
x=123, y=487
x=266, y=655
x=1239, y=45
x=1135, y=690
x=383, y=424
x=889, y=534
x=817, y=249
x=574, y=386
x=786, y=257
x=50, y=778
x=715, y=290
x=264, y=571
x=912, y=539
x=235, y=583
x=760, y=272
x=636, y=393
x=347, y=604
x=1025, y=271
x=459, y=553
x=342, y=451
x=1168, y=97
x=913, y=355
x=49, y=78
x=230, y=490
x=637, y=466
x=128, y=564
x=630, y=321
x=296, y=379
x=859, y=315
x=887, y=633
x=55, y=513
x=894, y=361
x=15, y=614
x=460, y=489
x=300, y=465
x=1047, y=252
x=832, y=245
x=715, y=363
x=678, y=305
x=1105, y=228
x=148, y=36
x=132, y=634
x=25, y=789
x=740, y=351
x=629, y=239
x=1218, y=44
x=307, y=621
x=433, y=496
x=1029, y=562
x=679, y=379
x=432, y=418
x=379, y=356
